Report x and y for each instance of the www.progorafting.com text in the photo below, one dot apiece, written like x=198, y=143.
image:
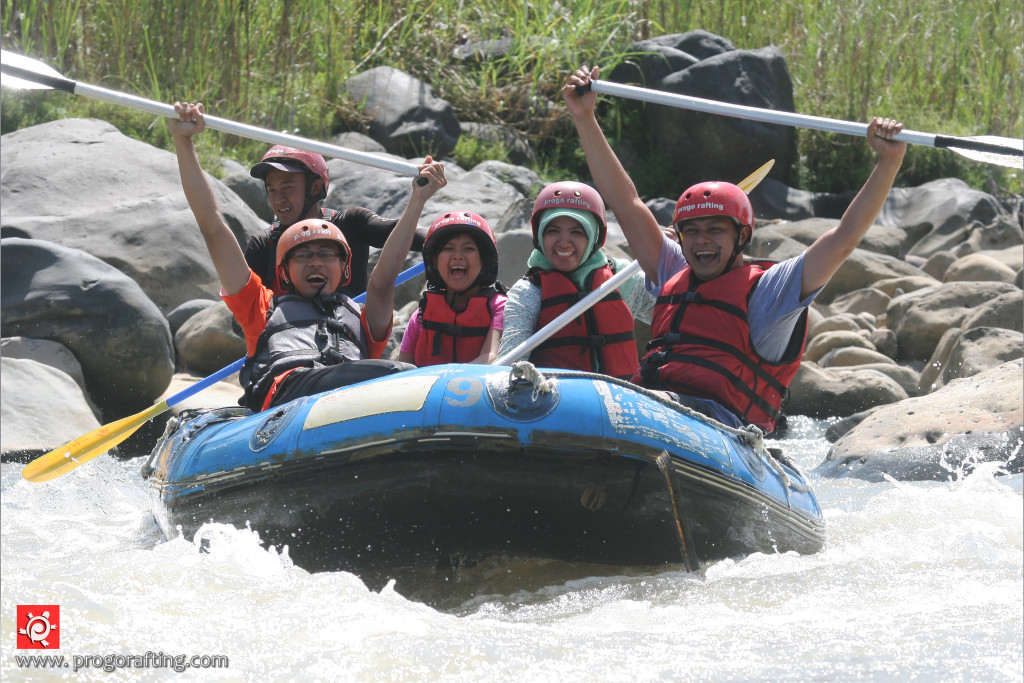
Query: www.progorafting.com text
x=109, y=663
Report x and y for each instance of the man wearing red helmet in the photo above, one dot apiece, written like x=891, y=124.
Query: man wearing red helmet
x=728, y=334
x=296, y=182
x=313, y=337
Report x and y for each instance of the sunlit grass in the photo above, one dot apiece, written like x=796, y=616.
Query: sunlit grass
x=951, y=68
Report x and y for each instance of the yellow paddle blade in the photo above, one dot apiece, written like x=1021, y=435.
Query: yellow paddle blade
x=752, y=180
x=62, y=460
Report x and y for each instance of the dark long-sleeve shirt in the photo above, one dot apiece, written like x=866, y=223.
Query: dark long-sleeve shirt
x=362, y=229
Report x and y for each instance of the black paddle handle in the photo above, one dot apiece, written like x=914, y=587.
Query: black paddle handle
x=947, y=141
x=581, y=90
x=55, y=82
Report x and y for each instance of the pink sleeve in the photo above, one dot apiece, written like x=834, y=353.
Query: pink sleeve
x=498, y=311
x=412, y=333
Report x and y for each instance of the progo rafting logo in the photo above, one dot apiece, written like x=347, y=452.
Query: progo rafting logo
x=37, y=627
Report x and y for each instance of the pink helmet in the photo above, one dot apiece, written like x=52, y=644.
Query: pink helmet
x=290, y=159
x=714, y=199
x=476, y=227
x=314, y=229
x=569, y=195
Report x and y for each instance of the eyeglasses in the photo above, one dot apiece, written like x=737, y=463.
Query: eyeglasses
x=304, y=256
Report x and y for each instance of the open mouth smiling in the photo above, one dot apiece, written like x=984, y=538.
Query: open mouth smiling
x=705, y=256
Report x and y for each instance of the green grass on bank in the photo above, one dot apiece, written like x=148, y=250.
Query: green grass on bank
x=941, y=67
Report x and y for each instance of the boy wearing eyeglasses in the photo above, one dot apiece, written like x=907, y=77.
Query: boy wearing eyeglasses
x=312, y=338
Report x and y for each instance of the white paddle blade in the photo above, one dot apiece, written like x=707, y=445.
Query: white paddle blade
x=22, y=62
x=1007, y=160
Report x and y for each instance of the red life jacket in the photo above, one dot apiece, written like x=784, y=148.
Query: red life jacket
x=600, y=340
x=702, y=347
x=449, y=336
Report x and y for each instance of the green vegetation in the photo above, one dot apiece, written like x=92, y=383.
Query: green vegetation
x=951, y=68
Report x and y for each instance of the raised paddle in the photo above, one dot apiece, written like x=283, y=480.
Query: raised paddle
x=63, y=459
x=20, y=72
x=990, y=149
x=545, y=333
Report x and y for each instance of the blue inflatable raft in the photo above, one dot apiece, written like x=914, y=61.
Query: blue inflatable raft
x=457, y=463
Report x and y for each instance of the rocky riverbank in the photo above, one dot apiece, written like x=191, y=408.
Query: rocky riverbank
x=109, y=298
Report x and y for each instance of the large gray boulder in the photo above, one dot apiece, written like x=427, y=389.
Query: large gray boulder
x=839, y=392
x=878, y=239
x=947, y=211
x=1005, y=311
x=769, y=243
x=904, y=284
x=656, y=58
x=503, y=140
x=839, y=322
x=867, y=300
x=183, y=312
x=47, y=352
x=938, y=436
x=920, y=318
x=383, y=192
x=82, y=184
x=206, y=341
x=42, y=409
x=515, y=246
x=774, y=199
x=975, y=350
x=116, y=332
x=477, y=191
x=826, y=342
x=978, y=268
x=707, y=66
x=405, y=114
x=387, y=194
x=519, y=177
x=862, y=269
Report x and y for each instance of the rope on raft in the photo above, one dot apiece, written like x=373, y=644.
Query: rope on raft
x=751, y=435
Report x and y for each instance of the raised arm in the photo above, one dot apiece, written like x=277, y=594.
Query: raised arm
x=380, y=292
x=828, y=252
x=227, y=255
x=616, y=187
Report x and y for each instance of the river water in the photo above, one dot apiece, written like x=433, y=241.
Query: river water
x=917, y=581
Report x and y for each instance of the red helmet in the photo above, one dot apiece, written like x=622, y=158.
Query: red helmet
x=310, y=230
x=473, y=225
x=714, y=199
x=292, y=160
x=569, y=195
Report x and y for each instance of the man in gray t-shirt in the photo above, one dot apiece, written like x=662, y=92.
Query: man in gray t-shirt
x=726, y=327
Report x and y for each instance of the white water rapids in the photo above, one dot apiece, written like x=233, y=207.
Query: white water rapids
x=917, y=581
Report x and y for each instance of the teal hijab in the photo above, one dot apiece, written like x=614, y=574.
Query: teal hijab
x=589, y=222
